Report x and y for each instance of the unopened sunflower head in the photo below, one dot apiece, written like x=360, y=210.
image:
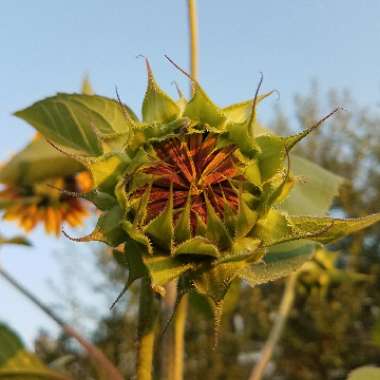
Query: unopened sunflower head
x=194, y=191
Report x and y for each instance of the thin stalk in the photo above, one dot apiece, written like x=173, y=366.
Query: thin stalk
x=194, y=41
x=179, y=334
x=275, y=335
x=148, y=313
x=105, y=368
x=167, y=351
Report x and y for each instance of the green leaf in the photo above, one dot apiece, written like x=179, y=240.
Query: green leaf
x=163, y=269
x=252, y=173
x=105, y=170
x=86, y=86
x=133, y=258
x=157, y=105
x=272, y=155
x=274, y=228
x=142, y=208
x=102, y=201
x=17, y=240
x=108, y=229
x=202, y=304
x=134, y=253
x=182, y=229
x=246, y=220
x=241, y=112
x=158, y=132
x=239, y=135
x=327, y=230
x=215, y=281
x=314, y=190
x=201, y=109
x=137, y=235
x=201, y=228
x=279, y=262
x=216, y=231
x=18, y=364
x=245, y=249
x=77, y=121
x=291, y=141
x=365, y=373
x=34, y=163
x=105, y=114
x=161, y=229
x=198, y=247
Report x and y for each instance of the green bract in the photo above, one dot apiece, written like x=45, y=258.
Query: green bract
x=194, y=191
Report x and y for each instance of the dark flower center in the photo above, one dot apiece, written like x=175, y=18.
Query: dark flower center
x=195, y=168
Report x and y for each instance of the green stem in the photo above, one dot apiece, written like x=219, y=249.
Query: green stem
x=148, y=313
x=167, y=351
x=179, y=334
x=275, y=335
x=105, y=368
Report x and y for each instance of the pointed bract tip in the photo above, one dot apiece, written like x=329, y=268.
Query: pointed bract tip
x=179, y=91
x=78, y=240
x=79, y=157
x=254, y=103
x=72, y=194
x=123, y=110
x=179, y=68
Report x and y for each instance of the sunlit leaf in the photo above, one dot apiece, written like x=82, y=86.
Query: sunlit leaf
x=272, y=155
x=34, y=163
x=241, y=112
x=326, y=230
x=163, y=269
x=365, y=373
x=16, y=240
x=18, y=364
x=197, y=246
x=157, y=105
x=314, y=190
x=77, y=121
x=200, y=108
x=279, y=262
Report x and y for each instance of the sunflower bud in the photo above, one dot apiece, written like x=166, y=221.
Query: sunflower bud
x=196, y=192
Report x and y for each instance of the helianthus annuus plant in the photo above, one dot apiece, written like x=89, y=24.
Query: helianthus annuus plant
x=193, y=191
x=29, y=194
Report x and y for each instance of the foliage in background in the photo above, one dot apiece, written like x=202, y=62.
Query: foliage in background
x=16, y=363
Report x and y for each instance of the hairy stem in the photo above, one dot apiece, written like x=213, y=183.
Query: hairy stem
x=106, y=370
x=148, y=313
x=275, y=335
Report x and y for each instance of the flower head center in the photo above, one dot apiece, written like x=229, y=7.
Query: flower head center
x=196, y=170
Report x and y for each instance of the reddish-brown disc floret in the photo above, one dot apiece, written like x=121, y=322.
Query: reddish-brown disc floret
x=195, y=168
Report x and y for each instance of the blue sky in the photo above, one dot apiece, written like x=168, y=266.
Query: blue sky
x=47, y=47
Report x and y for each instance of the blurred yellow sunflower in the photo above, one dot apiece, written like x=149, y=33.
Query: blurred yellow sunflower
x=42, y=202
